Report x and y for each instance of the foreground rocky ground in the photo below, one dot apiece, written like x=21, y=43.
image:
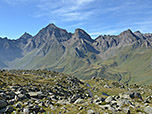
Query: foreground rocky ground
x=36, y=91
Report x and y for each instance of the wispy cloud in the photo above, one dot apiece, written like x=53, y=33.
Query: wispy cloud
x=66, y=10
x=143, y=23
x=105, y=32
x=14, y=2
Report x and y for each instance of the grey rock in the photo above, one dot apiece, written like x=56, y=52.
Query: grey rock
x=22, y=97
x=35, y=94
x=2, y=104
x=18, y=105
x=80, y=108
x=122, y=102
x=109, y=99
x=126, y=110
x=63, y=102
x=79, y=101
x=26, y=111
x=90, y=112
x=9, y=109
x=130, y=94
x=106, y=106
x=52, y=107
x=2, y=110
x=107, y=86
x=148, y=110
x=11, y=102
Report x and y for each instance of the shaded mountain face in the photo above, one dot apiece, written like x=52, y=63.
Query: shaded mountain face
x=9, y=50
x=78, y=54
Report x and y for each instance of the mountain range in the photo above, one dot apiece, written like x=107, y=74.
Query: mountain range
x=125, y=57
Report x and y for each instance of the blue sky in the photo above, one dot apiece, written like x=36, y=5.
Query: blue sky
x=97, y=17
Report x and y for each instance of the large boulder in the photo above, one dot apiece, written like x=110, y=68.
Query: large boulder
x=79, y=101
x=130, y=95
x=90, y=112
x=9, y=109
x=122, y=102
x=2, y=104
x=63, y=102
x=39, y=95
x=148, y=110
x=109, y=99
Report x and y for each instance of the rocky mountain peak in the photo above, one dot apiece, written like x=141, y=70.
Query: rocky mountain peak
x=80, y=33
x=138, y=32
x=52, y=25
x=127, y=32
x=24, y=38
x=52, y=31
x=49, y=29
x=128, y=36
x=26, y=35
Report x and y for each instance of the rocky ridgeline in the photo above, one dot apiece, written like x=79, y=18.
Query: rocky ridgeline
x=36, y=91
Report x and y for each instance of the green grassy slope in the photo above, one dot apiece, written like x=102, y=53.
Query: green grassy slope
x=127, y=65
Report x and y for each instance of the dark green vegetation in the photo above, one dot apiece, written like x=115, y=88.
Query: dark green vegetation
x=37, y=91
x=125, y=57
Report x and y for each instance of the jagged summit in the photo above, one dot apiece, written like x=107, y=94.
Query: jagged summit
x=51, y=29
x=51, y=25
x=127, y=32
x=24, y=39
x=80, y=33
x=137, y=32
x=26, y=35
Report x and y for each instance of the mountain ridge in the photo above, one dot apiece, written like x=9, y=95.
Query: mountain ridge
x=78, y=54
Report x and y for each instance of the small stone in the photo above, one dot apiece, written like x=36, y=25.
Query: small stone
x=26, y=111
x=109, y=99
x=91, y=112
x=79, y=101
x=80, y=108
x=9, y=109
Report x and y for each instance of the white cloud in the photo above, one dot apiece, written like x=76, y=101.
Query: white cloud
x=67, y=10
x=14, y=2
x=81, y=2
x=105, y=32
x=143, y=23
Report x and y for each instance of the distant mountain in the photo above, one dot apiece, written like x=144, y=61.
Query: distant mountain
x=125, y=57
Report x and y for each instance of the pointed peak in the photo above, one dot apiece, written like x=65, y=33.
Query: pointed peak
x=80, y=33
x=79, y=30
x=126, y=32
x=52, y=25
x=26, y=34
x=129, y=30
x=137, y=32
